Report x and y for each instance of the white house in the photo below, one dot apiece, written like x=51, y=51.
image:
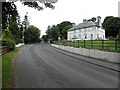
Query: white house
x=88, y=30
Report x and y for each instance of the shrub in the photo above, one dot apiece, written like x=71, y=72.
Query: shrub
x=39, y=40
x=6, y=34
x=118, y=37
x=119, y=34
x=51, y=41
x=9, y=43
x=31, y=35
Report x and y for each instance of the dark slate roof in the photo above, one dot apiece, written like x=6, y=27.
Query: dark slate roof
x=84, y=25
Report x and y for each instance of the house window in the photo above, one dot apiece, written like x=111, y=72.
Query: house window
x=97, y=36
x=74, y=31
x=91, y=36
x=85, y=29
x=74, y=36
x=103, y=36
x=94, y=28
x=85, y=34
x=79, y=36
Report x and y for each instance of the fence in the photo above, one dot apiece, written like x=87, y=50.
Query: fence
x=3, y=50
x=106, y=45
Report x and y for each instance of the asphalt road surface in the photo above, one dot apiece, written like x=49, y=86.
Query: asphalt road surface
x=42, y=66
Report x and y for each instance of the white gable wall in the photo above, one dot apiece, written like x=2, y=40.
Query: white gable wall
x=101, y=33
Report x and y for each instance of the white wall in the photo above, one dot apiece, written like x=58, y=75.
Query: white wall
x=104, y=55
x=80, y=33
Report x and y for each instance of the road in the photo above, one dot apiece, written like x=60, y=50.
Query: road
x=42, y=66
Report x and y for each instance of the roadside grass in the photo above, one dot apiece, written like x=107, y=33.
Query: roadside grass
x=106, y=45
x=7, y=67
x=0, y=72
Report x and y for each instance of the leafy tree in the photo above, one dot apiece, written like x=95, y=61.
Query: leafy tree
x=49, y=32
x=63, y=28
x=53, y=32
x=119, y=37
x=6, y=39
x=59, y=30
x=15, y=30
x=119, y=34
x=31, y=35
x=35, y=4
x=7, y=34
x=45, y=38
x=92, y=19
x=111, y=25
x=9, y=11
x=11, y=18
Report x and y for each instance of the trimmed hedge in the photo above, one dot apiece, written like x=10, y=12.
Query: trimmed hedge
x=9, y=43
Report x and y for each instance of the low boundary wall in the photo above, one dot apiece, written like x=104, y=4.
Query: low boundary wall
x=104, y=55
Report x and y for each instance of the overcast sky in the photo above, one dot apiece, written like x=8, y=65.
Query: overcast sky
x=69, y=10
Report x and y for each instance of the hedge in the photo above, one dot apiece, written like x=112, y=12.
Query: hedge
x=8, y=42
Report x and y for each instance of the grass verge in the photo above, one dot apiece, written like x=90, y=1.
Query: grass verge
x=7, y=67
x=0, y=72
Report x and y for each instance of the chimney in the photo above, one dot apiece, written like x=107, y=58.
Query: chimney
x=84, y=20
x=99, y=21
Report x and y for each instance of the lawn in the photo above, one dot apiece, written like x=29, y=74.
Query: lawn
x=107, y=45
x=7, y=67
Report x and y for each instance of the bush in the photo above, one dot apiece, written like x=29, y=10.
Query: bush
x=9, y=43
x=31, y=35
x=119, y=34
x=118, y=37
x=51, y=42
x=39, y=40
x=6, y=34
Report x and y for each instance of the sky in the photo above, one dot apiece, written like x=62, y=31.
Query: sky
x=69, y=10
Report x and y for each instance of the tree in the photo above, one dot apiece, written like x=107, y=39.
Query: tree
x=59, y=30
x=7, y=34
x=111, y=25
x=11, y=18
x=9, y=11
x=119, y=34
x=92, y=19
x=45, y=38
x=15, y=30
x=63, y=28
x=119, y=38
x=35, y=3
x=31, y=35
x=53, y=32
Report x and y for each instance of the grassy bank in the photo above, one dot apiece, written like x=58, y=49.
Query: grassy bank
x=7, y=67
x=0, y=72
